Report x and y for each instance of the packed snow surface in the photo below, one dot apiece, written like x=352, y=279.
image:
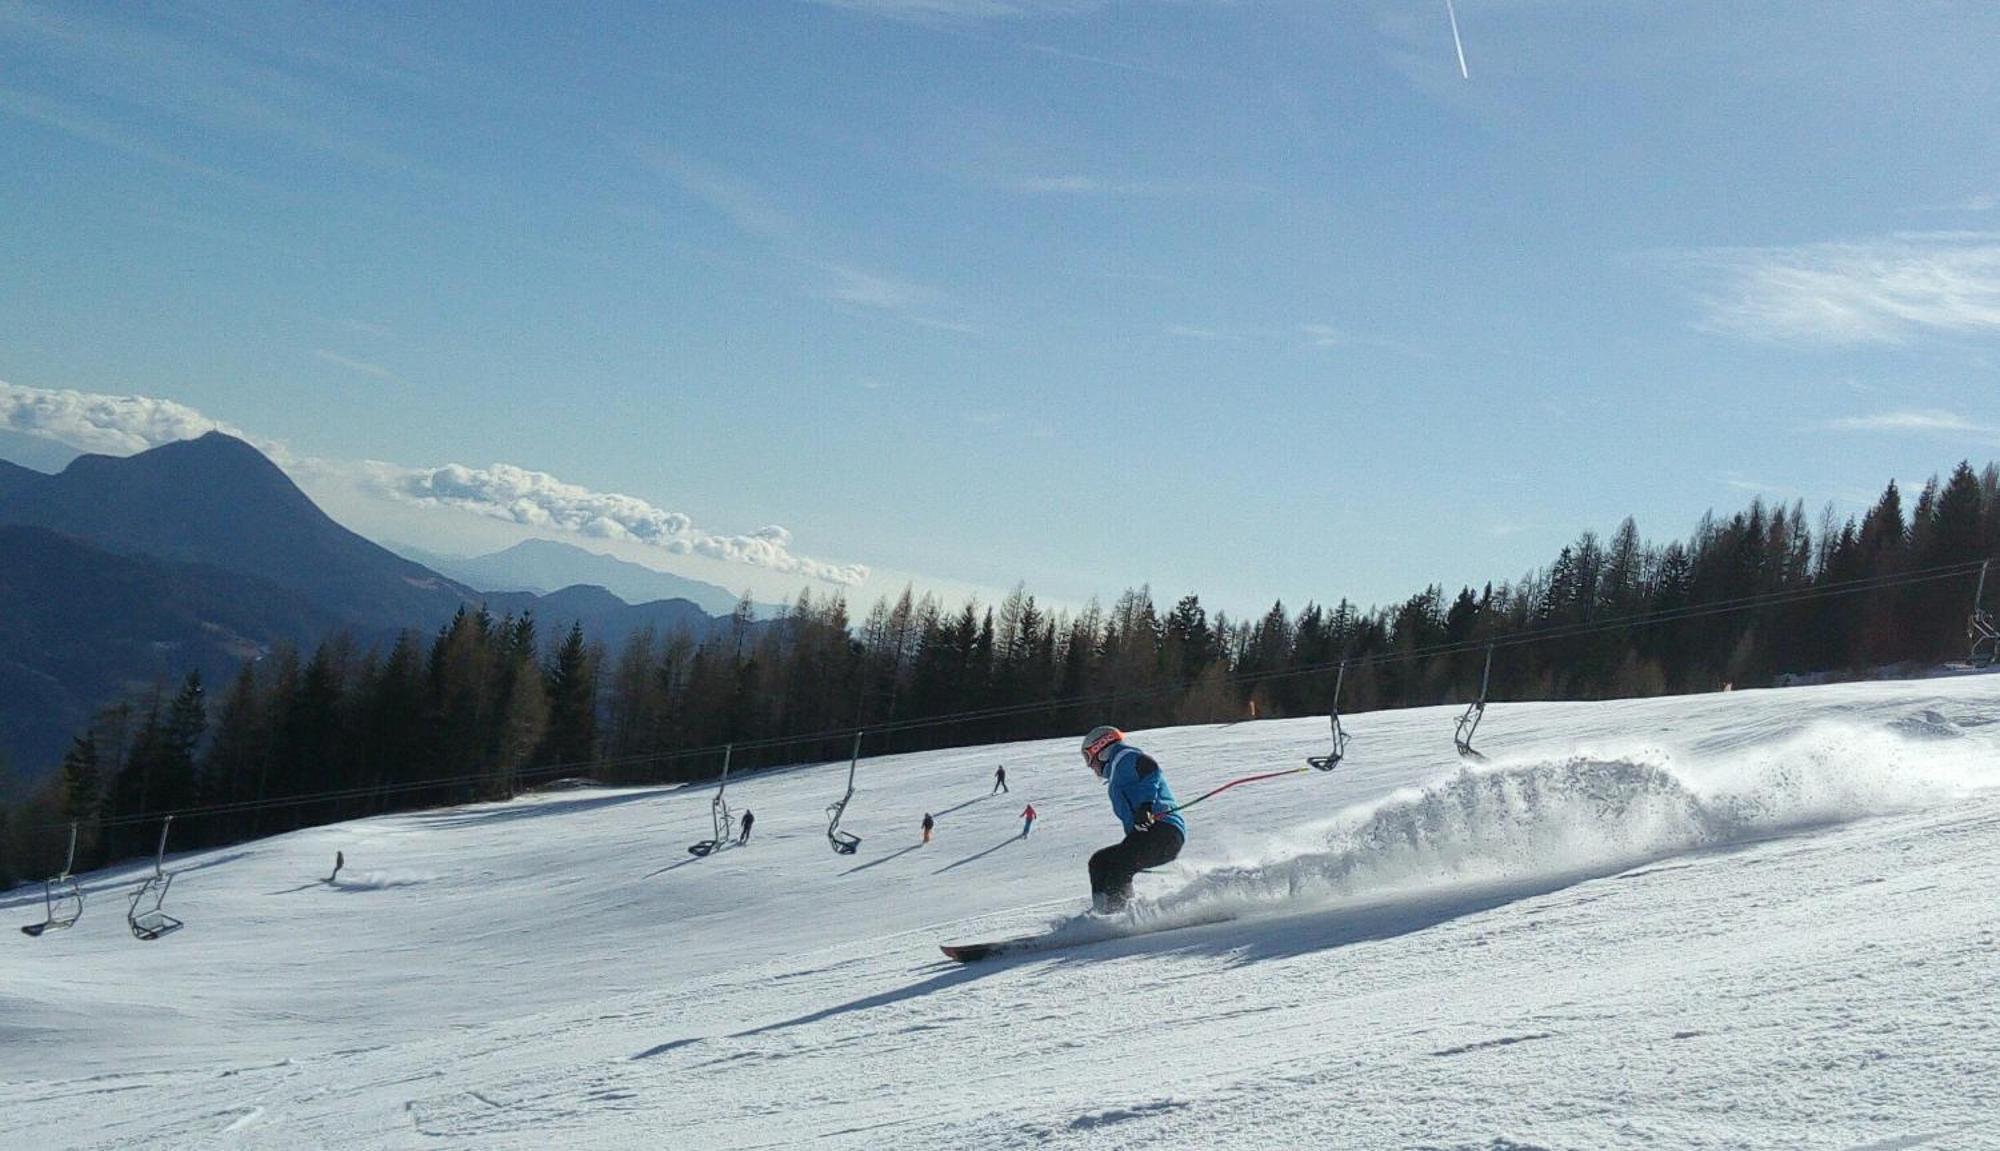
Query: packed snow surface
x=1759, y=919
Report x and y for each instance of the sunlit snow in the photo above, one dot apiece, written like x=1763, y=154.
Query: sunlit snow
x=1764, y=918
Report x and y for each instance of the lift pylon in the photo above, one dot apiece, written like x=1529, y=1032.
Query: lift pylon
x=1329, y=762
x=718, y=810
x=1474, y=712
x=844, y=842
x=1980, y=629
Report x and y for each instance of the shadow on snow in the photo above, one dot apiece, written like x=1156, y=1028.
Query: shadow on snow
x=1015, y=838
x=518, y=809
x=939, y=980
x=884, y=859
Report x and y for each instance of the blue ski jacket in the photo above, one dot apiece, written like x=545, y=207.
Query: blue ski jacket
x=1134, y=780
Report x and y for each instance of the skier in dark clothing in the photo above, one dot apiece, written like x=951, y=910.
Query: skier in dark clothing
x=928, y=824
x=1140, y=797
x=748, y=819
x=999, y=780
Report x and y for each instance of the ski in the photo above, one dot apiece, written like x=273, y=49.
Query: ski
x=1082, y=933
x=974, y=952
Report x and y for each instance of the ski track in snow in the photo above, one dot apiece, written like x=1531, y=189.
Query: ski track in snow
x=1759, y=919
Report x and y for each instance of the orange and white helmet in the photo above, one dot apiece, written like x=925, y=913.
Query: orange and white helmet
x=1101, y=739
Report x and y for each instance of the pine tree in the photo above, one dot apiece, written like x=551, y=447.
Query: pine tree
x=393, y=744
x=523, y=727
x=570, y=685
x=82, y=780
x=131, y=792
x=1188, y=646
x=180, y=738
x=1882, y=554
x=238, y=755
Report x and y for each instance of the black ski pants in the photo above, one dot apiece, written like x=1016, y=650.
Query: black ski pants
x=1112, y=869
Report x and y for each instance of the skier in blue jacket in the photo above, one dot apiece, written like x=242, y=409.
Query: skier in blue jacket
x=1140, y=797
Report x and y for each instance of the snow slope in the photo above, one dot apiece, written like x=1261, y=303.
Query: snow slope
x=1760, y=919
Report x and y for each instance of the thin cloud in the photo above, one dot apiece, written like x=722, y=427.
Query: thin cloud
x=1054, y=52
x=1983, y=202
x=1081, y=184
x=739, y=200
x=757, y=215
x=953, y=12
x=361, y=366
x=1932, y=421
x=1789, y=493
x=914, y=303
x=1312, y=335
x=1051, y=184
x=853, y=286
x=199, y=72
x=1757, y=487
x=1330, y=336
x=1199, y=332
x=377, y=331
x=1888, y=290
x=83, y=126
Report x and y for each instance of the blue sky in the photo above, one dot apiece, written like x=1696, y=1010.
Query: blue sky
x=1257, y=300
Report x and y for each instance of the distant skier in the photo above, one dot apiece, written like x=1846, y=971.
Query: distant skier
x=1140, y=797
x=999, y=780
x=748, y=819
x=1027, y=820
x=928, y=824
x=339, y=861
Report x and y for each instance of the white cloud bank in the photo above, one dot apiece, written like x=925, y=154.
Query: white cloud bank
x=107, y=425
x=123, y=425
x=1886, y=290
x=539, y=500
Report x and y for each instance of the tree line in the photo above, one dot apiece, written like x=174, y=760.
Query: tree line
x=486, y=705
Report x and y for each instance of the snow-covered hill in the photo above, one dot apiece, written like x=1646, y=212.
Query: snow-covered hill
x=1762, y=919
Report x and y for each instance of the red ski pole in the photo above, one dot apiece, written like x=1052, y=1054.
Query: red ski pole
x=1233, y=783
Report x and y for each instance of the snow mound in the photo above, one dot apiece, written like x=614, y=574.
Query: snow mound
x=1550, y=821
x=379, y=880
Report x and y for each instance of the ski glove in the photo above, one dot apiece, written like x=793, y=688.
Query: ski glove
x=1142, y=816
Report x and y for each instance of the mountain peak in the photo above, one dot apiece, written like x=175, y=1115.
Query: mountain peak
x=547, y=564
x=218, y=500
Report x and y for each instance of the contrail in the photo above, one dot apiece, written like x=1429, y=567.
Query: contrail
x=1455, y=41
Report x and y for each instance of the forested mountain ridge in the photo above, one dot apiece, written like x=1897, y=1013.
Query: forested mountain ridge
x=82, y=626
x=123, y=574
